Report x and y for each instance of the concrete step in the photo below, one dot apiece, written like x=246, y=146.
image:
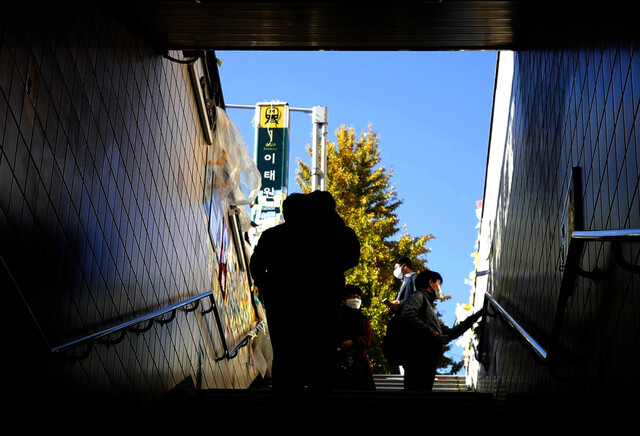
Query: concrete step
x=442, y=383
x=376, y=410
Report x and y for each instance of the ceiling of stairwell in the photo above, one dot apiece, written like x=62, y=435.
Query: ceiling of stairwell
x=344, y=25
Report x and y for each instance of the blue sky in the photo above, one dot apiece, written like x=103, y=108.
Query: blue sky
x=432, y=111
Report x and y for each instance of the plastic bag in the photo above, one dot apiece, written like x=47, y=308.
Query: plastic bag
x=236, y=177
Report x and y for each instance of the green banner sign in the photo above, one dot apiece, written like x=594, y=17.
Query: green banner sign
x=272, y=159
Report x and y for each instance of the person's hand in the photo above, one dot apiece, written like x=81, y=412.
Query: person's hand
x=393, y=305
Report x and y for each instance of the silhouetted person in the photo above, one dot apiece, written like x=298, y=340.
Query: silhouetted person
x=353, y=369
x=298, y=267
x=426, y=333
x=332, y=249
x=275, y=276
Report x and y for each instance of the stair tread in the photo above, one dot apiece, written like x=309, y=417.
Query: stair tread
x=443, y=382
x=361, y=406
x=449, y=398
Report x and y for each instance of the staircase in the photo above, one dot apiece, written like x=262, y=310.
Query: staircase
x=442, y=383
x=386, y=408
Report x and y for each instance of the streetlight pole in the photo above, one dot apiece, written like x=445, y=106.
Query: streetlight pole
x=320, y=119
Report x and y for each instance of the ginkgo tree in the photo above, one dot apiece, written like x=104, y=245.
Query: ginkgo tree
x=368, y=203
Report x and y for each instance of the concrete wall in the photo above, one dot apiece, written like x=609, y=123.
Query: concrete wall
x=570, y=104
x=102, y=216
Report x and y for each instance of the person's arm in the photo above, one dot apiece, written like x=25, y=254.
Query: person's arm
x=459, y=329
x=257, y=263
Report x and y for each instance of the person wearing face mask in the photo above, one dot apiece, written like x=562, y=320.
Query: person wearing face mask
x=353, y=369
x=403, y=270
x=426, y=333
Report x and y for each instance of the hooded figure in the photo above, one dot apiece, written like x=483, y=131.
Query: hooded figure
x=298, y=267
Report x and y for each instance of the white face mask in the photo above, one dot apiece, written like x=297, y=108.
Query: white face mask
x=354, y=303
x=436, y=287
x=397, y=273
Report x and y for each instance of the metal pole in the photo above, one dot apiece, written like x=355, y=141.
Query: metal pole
x=323, y=162
x=314, y=158
x=240, y=106
x=246, y=106
x=320, y=120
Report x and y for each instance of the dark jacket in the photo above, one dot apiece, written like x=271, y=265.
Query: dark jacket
x=407, y=288
x=353, y=367
x=420, y=321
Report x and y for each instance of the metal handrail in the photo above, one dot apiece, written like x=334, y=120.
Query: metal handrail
x=128, y=324
x=570, y=272
x=261, y=326
x=606, y=235
x=123, y=327
x=535, y=346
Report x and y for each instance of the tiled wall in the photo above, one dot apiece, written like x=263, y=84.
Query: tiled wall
x=572, y=106
x=102, y=219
